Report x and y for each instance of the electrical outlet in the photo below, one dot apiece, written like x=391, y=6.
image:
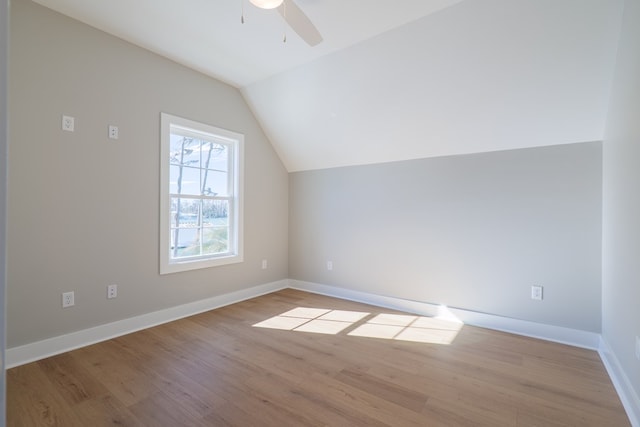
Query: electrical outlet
x=638, y=347
x=113, y=132
x=536, y=293
x=68, y=299
x=329, y=265
x=68, y=123
x=264, y=264
x=112, y=291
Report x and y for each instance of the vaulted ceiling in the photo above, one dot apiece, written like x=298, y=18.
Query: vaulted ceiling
x=393, y=79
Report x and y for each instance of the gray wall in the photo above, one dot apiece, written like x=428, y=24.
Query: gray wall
x=473, y=231
x=83, y=209
x=621, y=202
x=4, y=45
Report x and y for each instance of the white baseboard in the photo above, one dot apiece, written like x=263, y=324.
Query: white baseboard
x=17, y=356
x=574, y=337
x=627, y=393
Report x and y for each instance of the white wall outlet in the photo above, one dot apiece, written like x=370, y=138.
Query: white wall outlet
x=113, y=132
x=68, y=123
x=329, y=265
x=264, y=264
x=536, y=293
x=638, y=347
x=68, y=299
x=112, y=291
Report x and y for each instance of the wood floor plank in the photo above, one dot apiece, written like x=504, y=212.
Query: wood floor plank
x=386, y=390
x=74, y=383
x=105, y=411
x=32, y=400
x=119, y=373
x=227, y=367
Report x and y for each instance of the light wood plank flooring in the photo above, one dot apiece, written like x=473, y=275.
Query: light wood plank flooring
x=218, y=369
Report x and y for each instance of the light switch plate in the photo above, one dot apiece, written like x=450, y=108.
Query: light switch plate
x=536, y=293
x=68, y=123
x=113, y=132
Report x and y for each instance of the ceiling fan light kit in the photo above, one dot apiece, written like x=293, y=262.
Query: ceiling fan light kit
x=266, y=4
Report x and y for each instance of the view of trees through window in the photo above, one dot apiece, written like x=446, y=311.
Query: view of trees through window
x=199, y=188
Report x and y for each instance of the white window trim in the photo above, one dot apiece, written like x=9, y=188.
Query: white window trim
x=167, y=265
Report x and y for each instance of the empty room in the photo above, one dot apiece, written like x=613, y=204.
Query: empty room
x=320, y=213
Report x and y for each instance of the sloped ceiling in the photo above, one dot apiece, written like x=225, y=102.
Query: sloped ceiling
x=393, y=80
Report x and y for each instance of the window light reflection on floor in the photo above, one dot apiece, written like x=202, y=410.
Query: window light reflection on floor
x=441, y=329
x=317, y=320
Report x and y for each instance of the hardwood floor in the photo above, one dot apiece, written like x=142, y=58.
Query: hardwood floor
x=218, y=369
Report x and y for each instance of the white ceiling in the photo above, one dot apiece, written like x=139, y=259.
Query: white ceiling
x=393, y=79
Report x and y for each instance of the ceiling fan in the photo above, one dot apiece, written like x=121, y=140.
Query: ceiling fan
x=295, y=17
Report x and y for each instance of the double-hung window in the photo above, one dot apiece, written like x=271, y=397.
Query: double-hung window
x=201, y=195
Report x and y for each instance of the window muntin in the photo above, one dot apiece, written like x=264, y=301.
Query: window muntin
x=201, y=195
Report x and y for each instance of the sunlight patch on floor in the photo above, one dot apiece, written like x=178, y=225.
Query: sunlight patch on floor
x=402, y=327
x=441, y=329
x=316, y=320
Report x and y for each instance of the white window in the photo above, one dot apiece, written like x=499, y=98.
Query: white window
x=200, y=195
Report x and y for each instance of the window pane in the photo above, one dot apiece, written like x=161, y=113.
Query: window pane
x=184, y=151
x=215, y=156
x=174, y=173
x=214, y=183
x=215, y=240
x=175, y=149
x=187, y=183
x=215, y=213
x=188, y=242
x=184, y=212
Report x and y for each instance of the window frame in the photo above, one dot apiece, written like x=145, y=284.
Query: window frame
x=233, y=140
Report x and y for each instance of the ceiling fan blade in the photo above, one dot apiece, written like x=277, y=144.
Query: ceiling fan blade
x=300, y=23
